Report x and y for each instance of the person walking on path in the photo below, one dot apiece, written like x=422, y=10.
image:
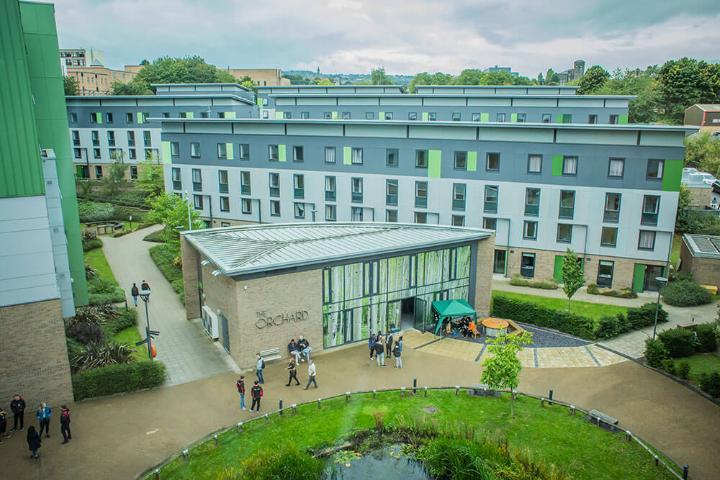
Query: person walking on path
x=259, y=367
x=3, y=423
x=240, y=384
x=65, y=424
x=134, y=292
x=380, y=351
x=34, y=442
x=256, y=392
x=312, y=371
x=18, y=408
x=292, y=373
x=43, y=415
x=388, y=344
x=397, y=352
x=371, y=345
x=144, y=286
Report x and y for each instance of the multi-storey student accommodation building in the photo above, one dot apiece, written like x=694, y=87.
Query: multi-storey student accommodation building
x=609, y=192
x=265, y=94
x=106, y=129
x=474, y=107
x=496, y=89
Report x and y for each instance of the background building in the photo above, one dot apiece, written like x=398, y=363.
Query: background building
x=80, y=57
x=97, y=80
x=574, y=73
x=262, y=77
x=700, y=257
x=704, y=115
x=704, y=188
x=498, y=69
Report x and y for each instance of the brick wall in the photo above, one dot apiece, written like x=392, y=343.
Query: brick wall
x=33, y=355
x=483, y=276
x=190, y=279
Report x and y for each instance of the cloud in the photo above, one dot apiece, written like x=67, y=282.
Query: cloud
x=404, y=37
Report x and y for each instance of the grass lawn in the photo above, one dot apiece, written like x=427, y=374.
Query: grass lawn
x=130, y=336
x=701, y=363
x=164, y=257
x=96, y=259
x=587, y=309
x=578, y=448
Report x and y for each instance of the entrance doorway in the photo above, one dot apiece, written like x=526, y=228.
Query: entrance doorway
x=407, y=313
x=499, y=261
x=651, y=273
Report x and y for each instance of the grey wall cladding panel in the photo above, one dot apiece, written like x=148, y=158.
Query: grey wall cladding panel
x=315, y=130
x=379, y=131
x=620, y=137
x=445, y=133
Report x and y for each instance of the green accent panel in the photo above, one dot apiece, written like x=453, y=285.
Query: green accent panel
x=381, y=116
x=434, y=163
x=98, y=118
x=189, y=114
x=671, y=175
x=20, y=166
x=485, y=116
x=638, y=282
x=472, y=162
x=230, y=115
x=425, y=116
x=259, y=101
x=559, y=118
x=557, y=268
x=279, y=115
x=166, y=155
x=557, y=164
x=139, y=116
x=334, y=115
x=347, y=155
x=41, y=45
x=513, y=117
x=229, y=151
x=282, y=153
x=623, y=120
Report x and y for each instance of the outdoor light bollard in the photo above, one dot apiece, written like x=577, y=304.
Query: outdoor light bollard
x=347, y=396
x=294, y=408
x=157, y=474
x=542, y=401
x=414, y=386
x=550, y=395
x=426, y=390
x=215, y=438
x=629, y=435
x=457, y=390
x=402, y=391
x=686, y=471
x=267, y=417
x=374, y=393
x=572, y=409
x=280, y=409
x=657, y=460
x=240, y=426
x=319, y=400
x=185, y=454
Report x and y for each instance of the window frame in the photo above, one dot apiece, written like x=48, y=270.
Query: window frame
x=334, y=155
x=421, y=153
x=621, y=160
x=569, y=237
x=301, y=150
x=640, y=237
x=566, y=161
x=529, y=163
x=488, y=159
x=609, y=228
x=389, y=152
x=534, y=225
x=661, y=169
x=460, y=160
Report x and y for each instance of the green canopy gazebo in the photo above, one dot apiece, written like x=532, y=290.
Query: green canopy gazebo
x=449, y=309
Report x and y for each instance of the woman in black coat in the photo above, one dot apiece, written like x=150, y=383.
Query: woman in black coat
x=33, y=441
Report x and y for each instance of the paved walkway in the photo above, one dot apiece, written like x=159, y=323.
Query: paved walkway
x=182, y=345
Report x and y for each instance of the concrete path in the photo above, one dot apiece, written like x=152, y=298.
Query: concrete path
x=182, y=345
x=119, y=437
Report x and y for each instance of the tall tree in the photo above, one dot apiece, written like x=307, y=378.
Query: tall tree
x=572, y=273
x=502, y=370
x=172, y=212
x=115, y=179
x=378, y=77
x=151, y=178
x=682, y=219
x=685, y=82
x=551, y=78
x=702, y=151
x=593, y=79
x=131, y=88
x=71, y=85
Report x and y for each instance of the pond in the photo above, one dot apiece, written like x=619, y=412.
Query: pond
x=389, y=463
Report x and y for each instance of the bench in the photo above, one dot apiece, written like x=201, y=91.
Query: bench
x=270, y=354
x=603, y=420
x=711, y=288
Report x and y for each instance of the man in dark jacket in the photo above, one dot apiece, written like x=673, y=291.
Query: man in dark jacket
x=256, y=392
x=380, y=353
x=3, y=423
x=134, y=291
x=240, y=384
x=65, y=424
x=292, y=373
x=18, y=408
x=388, y=344
x=33, y=441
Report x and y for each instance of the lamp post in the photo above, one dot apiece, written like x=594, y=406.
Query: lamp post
x=660, y=281
x=145, y=295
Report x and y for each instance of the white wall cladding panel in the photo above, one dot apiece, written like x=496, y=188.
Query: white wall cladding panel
x=662, y=139
x=260, y=128
x=321, y=130
x=402, y=101
x=445, y=101
x=316, y=100
x=380, y=131
x=441, y=132
x=617, y=102
x=604, y=137
x=581, y=101
x=358, y=101
x=190, y=102
x=527, y=134
x=280, y=101
x=535, y=102
x=207, y=127
x=489, y=102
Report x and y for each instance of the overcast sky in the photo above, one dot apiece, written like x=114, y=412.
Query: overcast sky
x=404, y=36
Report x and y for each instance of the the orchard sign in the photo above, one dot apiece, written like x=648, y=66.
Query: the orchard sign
x=265, y=320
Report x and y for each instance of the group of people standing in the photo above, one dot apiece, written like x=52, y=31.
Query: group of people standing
x=43, y=414
x=381, y=346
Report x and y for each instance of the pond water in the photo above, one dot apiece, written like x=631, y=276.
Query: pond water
x=387, y=463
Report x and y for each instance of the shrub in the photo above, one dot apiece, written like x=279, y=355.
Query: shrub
x=156, y=236
x=593, y=289
x=683, y=370
x=91, y=244
x=86, y=332
x=710, y=384
x=622, y=293
x=123, y=319
x=117, y=296
x=118, y=378
x=519, y=281
x=100, y=355
x=286, y=463
x=685, y=293
x=706, y=338
x=609, y=327
x=644, y=316
x=530, y=312
x=104, y=212
x=669, y=366
x=680, y=342
x=165, y=256
x=454, y=458
x=655, y=352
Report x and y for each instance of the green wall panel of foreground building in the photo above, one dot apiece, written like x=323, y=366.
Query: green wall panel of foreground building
x=46, y=82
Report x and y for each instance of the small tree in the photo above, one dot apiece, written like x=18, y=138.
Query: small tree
x=572, y=274
x=151, y=178
x=502, y=370
x=115, y=178
x=172, y=212
x=71, y=85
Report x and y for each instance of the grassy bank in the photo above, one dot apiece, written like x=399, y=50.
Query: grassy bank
x=103, y=288
x=586, y=309
x=166, y=258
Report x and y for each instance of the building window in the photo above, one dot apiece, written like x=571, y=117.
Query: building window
x=356, y=214
x=492, y=162
x=608, y=236
x=98, y=171
x=131, y=138
x=616, y=167
x=458, y=196
x=198, y=202
x=500, y=117
x=570, y=165
x=327, y=115
x=458, y=220
x=222, y=151
x=223, y=181
x=646, y=241
x=133, y=172
x=244, y=151
x=176, y=181
x=567, y=204
x=411, y=116
x=206, y=114
x=650, y=208
x=273, y=154
x=491, y=199
x=330, y=213
x=605, y=273
x=421, y=194
x=432, y=116
x=475, y=117
x=330, y=188
x=522, y=117
x=592, y=118
x=194, y=150
x=346, y=115
x=299, y=210
x=527, y=265
x=287, y=115
x=96, y=153
x=612, y=208
x=298, y=153
x=164, y=115
x=274, y=208
x=197, y=180
x=566, y=118
x=111, y=138
x=245, y=183
x=274, y=183
x=329, y=154
x=299, y=185
x=95, y=138
x=93, y=118
x=614, y=119
x=174, y=149
x=391, y=215
x=304, y=115
x=456, y=116
x=391, y=192
x=265, y=115
x=388, y=115
x=357, y=156
x=76, y=138
x=534, y=164
x=246, y=206
x=109, y=117
x=564, y=232
x=546, y=118
x=369, y=116
x=73, y=118
x=529, y=230
x=224, y=204
x=392, y=157
x=655, y=169
x=129, y=118
x=147, y=138
x=532, y=202
x=77, y=152
x=460, y=160
x=421, y=159
x=421, y=217
x=490, y=223
x=357, y=189
x=132, y=154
